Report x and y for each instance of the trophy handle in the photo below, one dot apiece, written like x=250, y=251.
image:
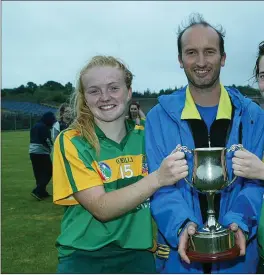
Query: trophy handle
x=233, y=148
x=184, y=149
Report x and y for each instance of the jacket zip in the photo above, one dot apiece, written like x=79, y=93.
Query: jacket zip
x=209, y=140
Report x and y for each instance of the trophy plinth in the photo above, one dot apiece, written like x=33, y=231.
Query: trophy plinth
x=213, y=242
x=212, y=246
x=213, y=257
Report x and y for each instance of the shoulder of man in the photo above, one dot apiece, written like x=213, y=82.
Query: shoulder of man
x=168, y=103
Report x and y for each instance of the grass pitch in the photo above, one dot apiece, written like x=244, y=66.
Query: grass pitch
x=29, y=227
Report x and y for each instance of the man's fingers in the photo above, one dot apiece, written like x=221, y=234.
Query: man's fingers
x=241, y=242
x=234, y=227
x=183, y=256
x=240, y=238
x=191, y=229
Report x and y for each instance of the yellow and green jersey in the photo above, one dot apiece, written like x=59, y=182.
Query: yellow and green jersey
x=76, y=167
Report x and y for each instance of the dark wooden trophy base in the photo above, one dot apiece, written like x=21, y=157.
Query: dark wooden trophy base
x=230, y=254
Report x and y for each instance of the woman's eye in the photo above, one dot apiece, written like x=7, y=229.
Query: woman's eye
x=93, y=91
x=113, y=88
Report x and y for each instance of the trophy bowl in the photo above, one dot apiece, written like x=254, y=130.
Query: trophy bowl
x=212, y=242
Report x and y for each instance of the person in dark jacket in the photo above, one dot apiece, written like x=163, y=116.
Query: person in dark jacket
x=39, y=150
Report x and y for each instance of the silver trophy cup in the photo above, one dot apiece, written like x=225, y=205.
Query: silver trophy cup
x=212, y=242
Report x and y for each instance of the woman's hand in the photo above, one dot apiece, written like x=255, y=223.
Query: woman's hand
x=248, y=165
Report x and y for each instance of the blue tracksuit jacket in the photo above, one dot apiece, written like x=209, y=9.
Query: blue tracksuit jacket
x=172, y=206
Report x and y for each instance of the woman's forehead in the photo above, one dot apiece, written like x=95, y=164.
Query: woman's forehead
x=104, y=75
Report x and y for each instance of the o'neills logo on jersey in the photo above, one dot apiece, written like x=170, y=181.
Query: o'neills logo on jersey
x=124, y=160
x=106, y=171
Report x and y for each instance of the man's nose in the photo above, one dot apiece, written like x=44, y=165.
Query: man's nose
x=201, y=60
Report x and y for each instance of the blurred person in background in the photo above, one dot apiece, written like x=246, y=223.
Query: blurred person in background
x=39, y=150
x=64, y=120
x=136, y=114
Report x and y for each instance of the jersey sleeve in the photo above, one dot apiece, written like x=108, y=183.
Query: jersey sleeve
x=71, y=171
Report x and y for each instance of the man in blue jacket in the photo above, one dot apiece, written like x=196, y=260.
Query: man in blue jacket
x=205, y=113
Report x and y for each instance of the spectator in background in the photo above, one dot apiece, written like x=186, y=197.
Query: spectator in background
x=64, y=119
x=39, y=150
x=136, y=114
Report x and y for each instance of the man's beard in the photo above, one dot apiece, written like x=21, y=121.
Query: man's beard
x=203, y=86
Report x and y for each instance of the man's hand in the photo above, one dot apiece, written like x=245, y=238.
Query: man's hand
x=247, y=165
x=184, y=241
x=240, y=238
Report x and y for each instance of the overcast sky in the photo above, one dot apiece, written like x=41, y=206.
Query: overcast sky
x=52, y=40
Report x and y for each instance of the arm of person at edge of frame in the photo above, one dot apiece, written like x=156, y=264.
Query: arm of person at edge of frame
x=106, y=206
x=245, y=210
x=248, y=165
x=167, y=201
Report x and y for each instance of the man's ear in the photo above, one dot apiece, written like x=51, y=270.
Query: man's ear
x=180, y=61
x=223, y=59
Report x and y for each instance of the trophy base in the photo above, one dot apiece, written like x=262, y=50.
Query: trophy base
x=208, y=247
x=227, y=255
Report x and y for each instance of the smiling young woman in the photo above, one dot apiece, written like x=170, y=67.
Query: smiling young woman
x=100, y=175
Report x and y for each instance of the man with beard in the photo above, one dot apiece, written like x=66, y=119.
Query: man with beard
x=204, y=114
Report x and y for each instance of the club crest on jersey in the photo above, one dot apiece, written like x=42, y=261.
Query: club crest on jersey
x=144, y=165
x=105, y=170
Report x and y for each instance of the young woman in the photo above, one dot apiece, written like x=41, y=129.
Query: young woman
x=248, y=165
x=99, y=166
x=64, y=119
x=136, y=114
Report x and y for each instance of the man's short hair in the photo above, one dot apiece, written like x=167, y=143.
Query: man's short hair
x=197, y=19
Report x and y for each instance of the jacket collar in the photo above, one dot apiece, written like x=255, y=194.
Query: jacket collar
x=224, y=108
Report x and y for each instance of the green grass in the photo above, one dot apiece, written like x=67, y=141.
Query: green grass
x=29, y=227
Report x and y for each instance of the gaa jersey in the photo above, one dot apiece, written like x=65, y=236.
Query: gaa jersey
x=76, y=167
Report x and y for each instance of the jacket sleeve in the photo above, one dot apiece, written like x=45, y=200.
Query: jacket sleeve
x=246, y=208
x=168, y=206
x=245, y=211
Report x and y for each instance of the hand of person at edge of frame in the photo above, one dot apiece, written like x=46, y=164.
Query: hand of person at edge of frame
x=184, y=241
x=172, y=169
x=247, y=165
x=240, y=238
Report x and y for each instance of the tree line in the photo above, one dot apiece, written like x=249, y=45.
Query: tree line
x=54, y=92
